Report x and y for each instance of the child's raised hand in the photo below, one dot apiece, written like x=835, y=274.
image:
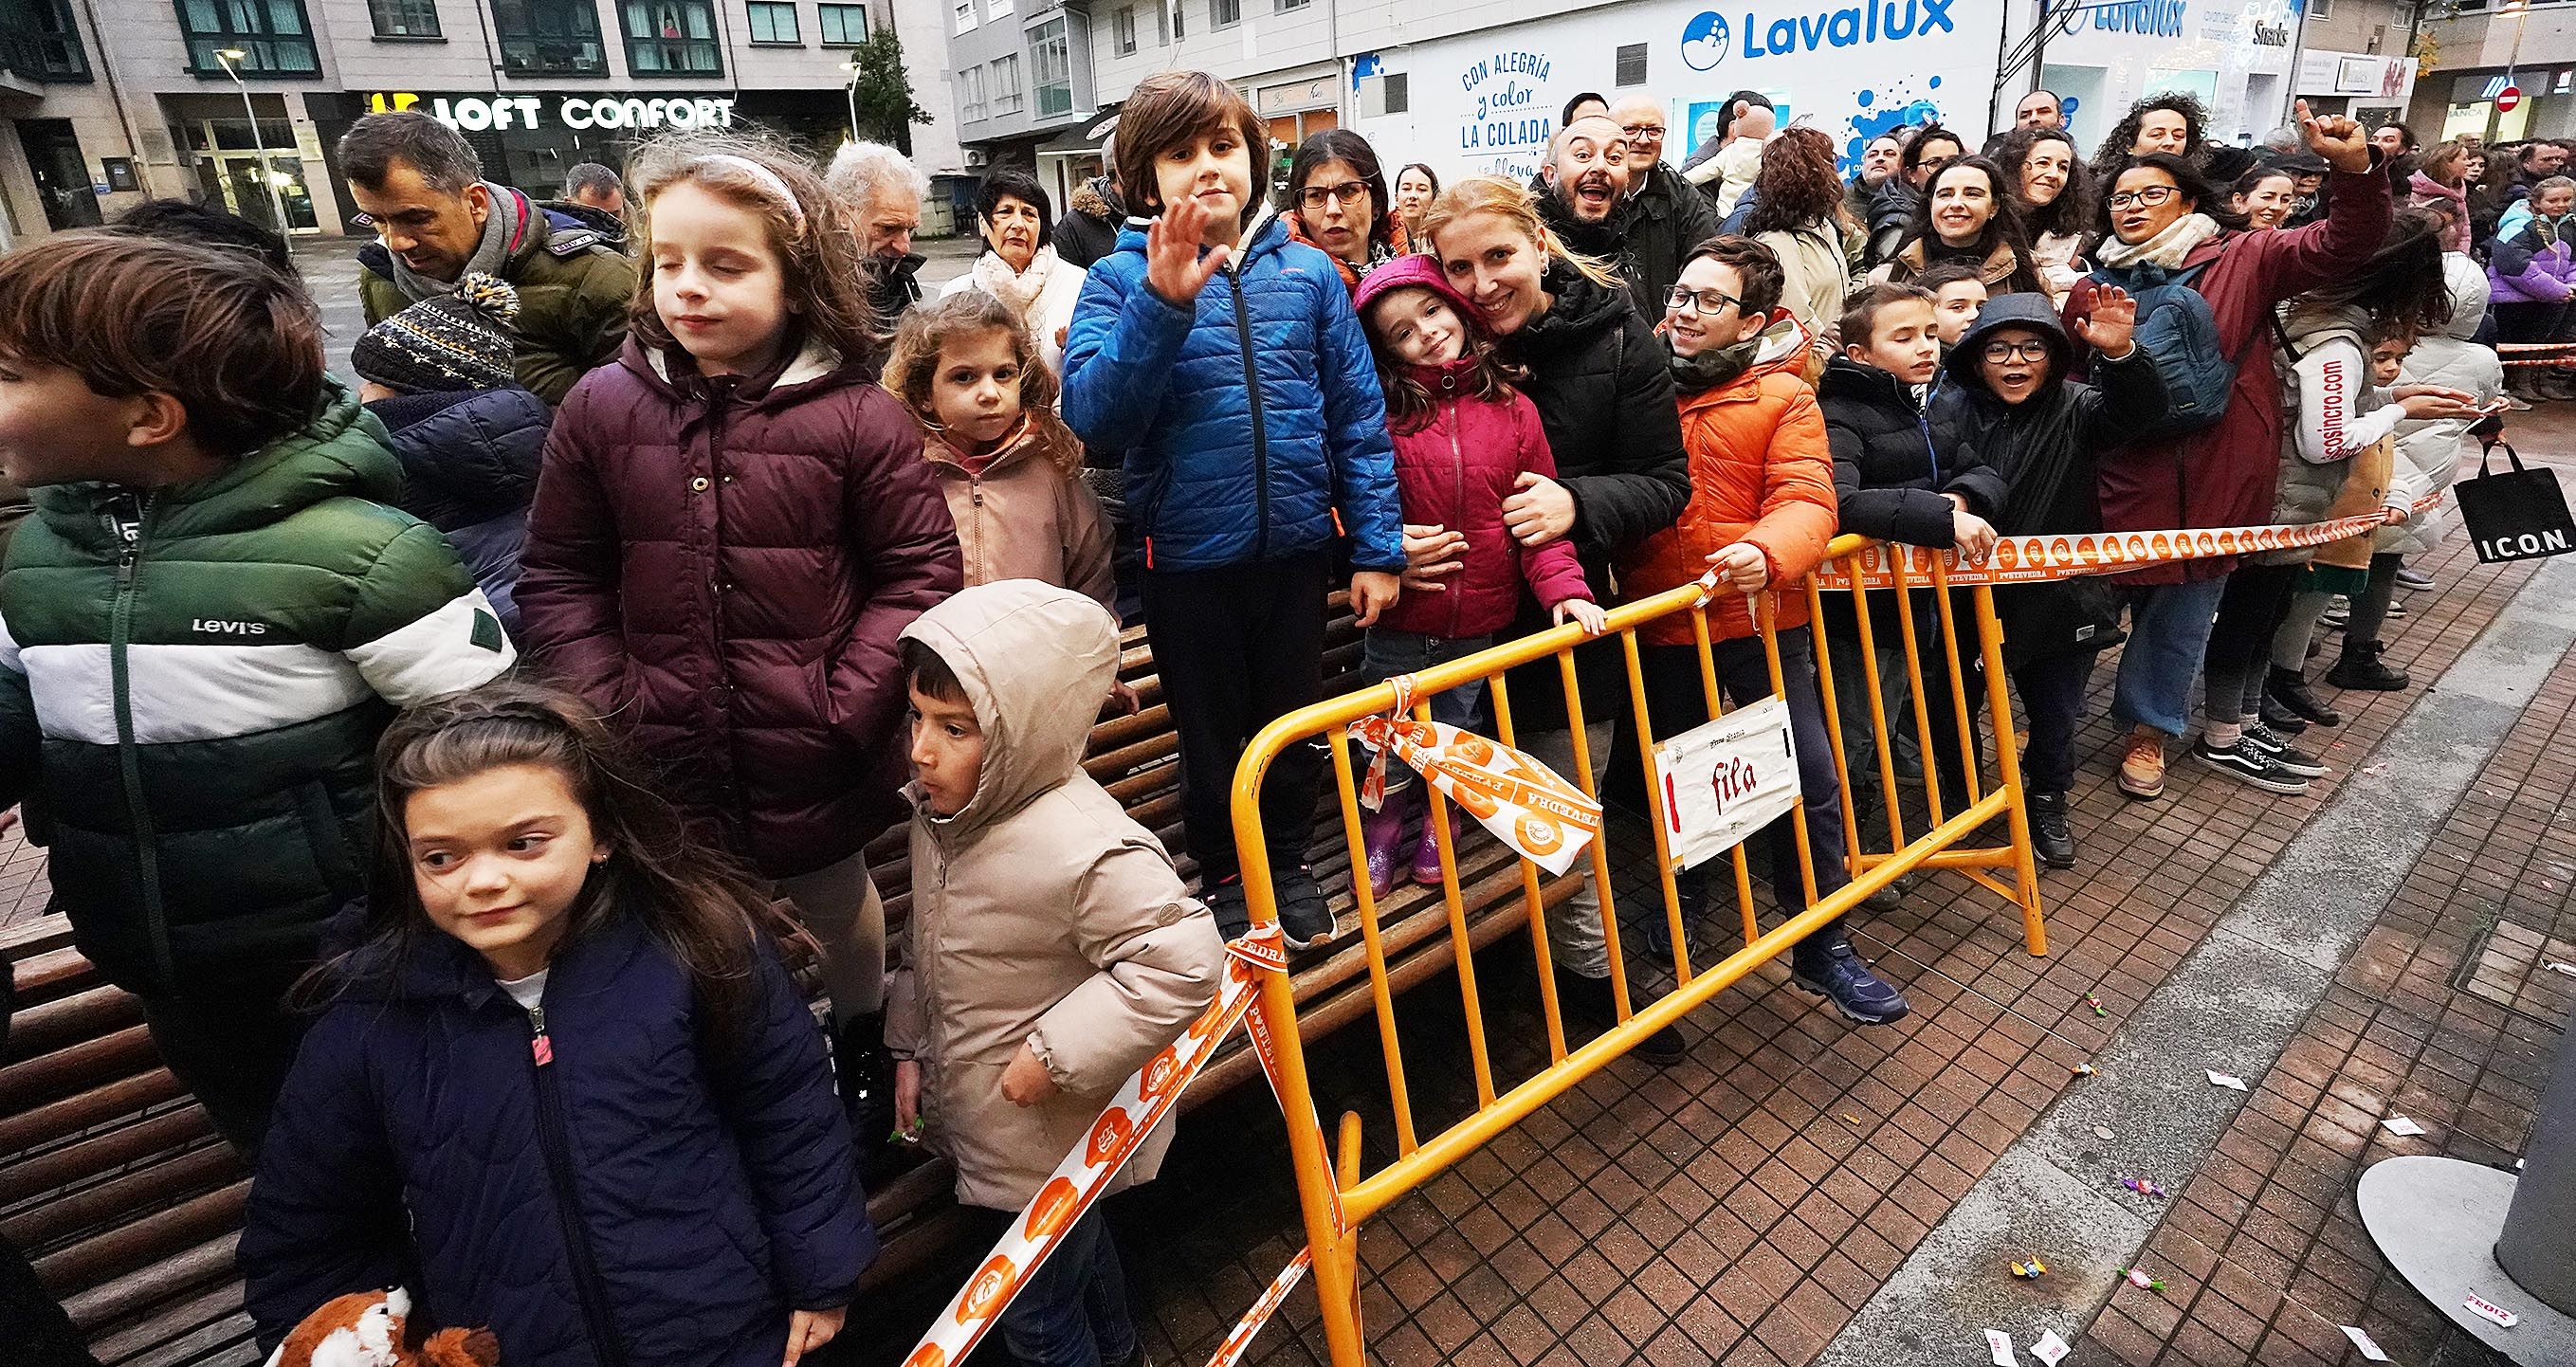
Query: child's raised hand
x=1583, y=610
x=1742, y=567
x=1539, y=510
x=1372, y=593
x=1025, y=1082
x=2113, y=324
x=1174, y=270
x=1431, y=553
x=808, y=1330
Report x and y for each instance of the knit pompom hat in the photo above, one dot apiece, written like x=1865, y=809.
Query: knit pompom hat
x=459, y=340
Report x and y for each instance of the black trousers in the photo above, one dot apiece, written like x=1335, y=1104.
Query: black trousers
x=1237, y=647
x=232, y=1050
x=1939, y=711
x=2240, y=642
x=2052, y=693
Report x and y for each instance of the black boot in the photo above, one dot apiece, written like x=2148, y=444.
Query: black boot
x=2048, y=832
x=1589, y=1010
x=2289, y=688
x=2360, y=668
x=866, y=1077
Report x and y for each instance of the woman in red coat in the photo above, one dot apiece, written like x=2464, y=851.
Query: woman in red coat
x=2164, y=219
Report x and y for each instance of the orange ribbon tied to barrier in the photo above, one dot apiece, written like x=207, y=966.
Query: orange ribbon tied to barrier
x=1525, y=804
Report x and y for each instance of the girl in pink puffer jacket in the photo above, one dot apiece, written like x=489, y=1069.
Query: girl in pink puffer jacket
x=1465, y=440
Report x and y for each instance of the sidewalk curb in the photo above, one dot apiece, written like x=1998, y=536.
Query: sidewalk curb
x=2233, y=1005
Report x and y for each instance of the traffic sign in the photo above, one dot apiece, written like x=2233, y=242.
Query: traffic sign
x=2507, y=98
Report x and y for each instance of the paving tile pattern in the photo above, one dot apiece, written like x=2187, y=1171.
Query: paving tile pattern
x=1737, y=1208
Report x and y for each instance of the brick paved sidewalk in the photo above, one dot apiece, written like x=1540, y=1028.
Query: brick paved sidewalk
x=1740, y=1206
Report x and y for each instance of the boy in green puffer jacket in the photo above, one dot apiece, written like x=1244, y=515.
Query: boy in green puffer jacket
x=202, y=628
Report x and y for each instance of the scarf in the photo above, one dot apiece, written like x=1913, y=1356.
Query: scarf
x=1019, y=290
x=501, y=227
x=2166, y=249
x=1379, y=252
x=1711, y=369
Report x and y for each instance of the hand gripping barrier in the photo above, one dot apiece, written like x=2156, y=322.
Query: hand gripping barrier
x=1510, y=795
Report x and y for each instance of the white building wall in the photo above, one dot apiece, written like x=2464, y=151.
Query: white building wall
x=922, y=24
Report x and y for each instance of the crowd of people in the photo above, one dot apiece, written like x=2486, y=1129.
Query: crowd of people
x=444, y=763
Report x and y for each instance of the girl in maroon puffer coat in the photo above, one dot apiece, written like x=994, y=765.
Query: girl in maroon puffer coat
x=732, y=526
x=1465, y=439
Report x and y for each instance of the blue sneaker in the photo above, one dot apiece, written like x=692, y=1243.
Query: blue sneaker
x=1838, y=976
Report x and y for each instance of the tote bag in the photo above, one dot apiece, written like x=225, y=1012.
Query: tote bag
x=2517, y=515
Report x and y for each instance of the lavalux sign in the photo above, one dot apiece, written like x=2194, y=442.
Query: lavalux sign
x=476, y=113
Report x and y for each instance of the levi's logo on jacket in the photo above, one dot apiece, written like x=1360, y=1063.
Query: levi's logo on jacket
x=215, y=626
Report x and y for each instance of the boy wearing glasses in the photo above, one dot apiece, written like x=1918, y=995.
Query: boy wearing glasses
x=2009, y=394
x=1761, y=511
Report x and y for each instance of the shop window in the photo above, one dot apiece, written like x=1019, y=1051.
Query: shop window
x=39, y=41
x=271, y=35
x=1224, y=13
x=773, y=21
x=404, y=18
x=548, y=37
x=1051, y=68
x=1006, y=85
x=842, y=25
x=671, y=37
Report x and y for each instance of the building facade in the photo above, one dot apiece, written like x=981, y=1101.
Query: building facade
x=2488, y=49
x=240, y=102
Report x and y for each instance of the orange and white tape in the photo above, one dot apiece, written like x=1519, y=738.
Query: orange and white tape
x=1142, y=1102
x=1526, y=805
x=2034, y=559
x=1231, y=1351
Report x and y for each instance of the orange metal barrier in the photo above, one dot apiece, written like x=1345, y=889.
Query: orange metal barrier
x=1334, y=1194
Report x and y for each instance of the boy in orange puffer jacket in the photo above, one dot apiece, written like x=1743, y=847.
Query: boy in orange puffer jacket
x=1762, y=509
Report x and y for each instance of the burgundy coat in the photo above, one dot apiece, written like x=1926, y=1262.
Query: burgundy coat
x=2221, y=475
x=1455, y=472
x=722, y=568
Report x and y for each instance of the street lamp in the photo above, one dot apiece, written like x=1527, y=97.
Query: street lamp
x=852, y=90
x=227, y=57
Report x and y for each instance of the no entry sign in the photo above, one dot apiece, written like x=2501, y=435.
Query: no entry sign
x=2507, y=98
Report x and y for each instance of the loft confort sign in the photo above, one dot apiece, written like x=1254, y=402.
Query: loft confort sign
x=476, y=113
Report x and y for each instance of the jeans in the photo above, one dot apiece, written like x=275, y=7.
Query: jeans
x=839, y=904
x=2052, y=689
x=1072, y=1312
x=232, y=1051
x=1575, y=939
x=1385, y=654
x=1238, y=647
x=1677, y=703
x=2240, y=641
x=2168, y=634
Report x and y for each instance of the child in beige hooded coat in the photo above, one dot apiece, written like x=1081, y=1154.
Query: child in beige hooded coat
x=1051, y=950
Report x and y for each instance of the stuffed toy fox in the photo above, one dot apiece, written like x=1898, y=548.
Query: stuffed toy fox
x=366, y=1330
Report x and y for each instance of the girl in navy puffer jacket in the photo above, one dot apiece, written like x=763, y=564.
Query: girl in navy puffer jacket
x=1464, y=437
x=1256, y=440
x=566, y=1090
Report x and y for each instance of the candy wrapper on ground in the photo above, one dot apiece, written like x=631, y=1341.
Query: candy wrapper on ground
x=1525, y=804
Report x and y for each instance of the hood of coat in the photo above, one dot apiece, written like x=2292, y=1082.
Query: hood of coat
x=449, y=441
x=1845, y=378
x=2030, y=311
x=2469, y=290
x=1025, y=442
x=1094, y=198
x=1036, y=662
x=341, y=453
x=425, y=964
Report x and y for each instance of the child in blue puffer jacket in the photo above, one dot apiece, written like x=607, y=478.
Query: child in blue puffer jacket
x=1256, y=439
x=565, y=1089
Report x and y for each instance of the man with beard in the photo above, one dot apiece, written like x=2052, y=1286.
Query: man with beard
x=884, y=192
x=1664, y=216
x=1878, y=162
x=1587, y=178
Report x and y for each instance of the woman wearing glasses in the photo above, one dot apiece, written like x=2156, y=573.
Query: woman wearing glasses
x=1337, y=202
x=2163, y=222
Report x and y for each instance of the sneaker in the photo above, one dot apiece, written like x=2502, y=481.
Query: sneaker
x=2413, y=580
x=1838, y=976
x=1305, y=914
x=2290, y=689
x=1589, y=1009
x=2361, y=669
x=2282, y=753
x=2336, y=614
x=2249, y=766
x=2142, y=767
x=1694, y=898
x=2395, y=611
x=2048, y=830
x=1892, y=896
x=2280, y=718
x=1227, y=902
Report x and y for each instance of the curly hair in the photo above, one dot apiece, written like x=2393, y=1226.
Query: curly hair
x=913, y=363
x=811, y=229
x=2117, y=148
x=2205, y=197
x=1798, y=183
x=2072, y=211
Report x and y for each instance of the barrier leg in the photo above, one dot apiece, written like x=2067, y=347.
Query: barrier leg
x=1990, y=637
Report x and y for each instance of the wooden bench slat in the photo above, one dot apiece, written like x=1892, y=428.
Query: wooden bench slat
x=136, y=1292
x=129, y=1200
x=56, y=1121
x=44, y=1027
x=220, y=1302
x=77, y=1067
x=71, y=1164
x=141, y=1246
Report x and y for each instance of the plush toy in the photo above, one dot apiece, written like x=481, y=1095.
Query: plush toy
x=366, y=1330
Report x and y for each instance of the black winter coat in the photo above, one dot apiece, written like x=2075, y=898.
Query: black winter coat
x=2046, y=449
x=1891, y=216
x=1665, y=219
x=469, y=462
x=625, y=1199
x=1894, y=460
x=1089, y=229
x=1605, y=396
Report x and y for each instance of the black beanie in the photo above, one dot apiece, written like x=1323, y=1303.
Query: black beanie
x=447, y=342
